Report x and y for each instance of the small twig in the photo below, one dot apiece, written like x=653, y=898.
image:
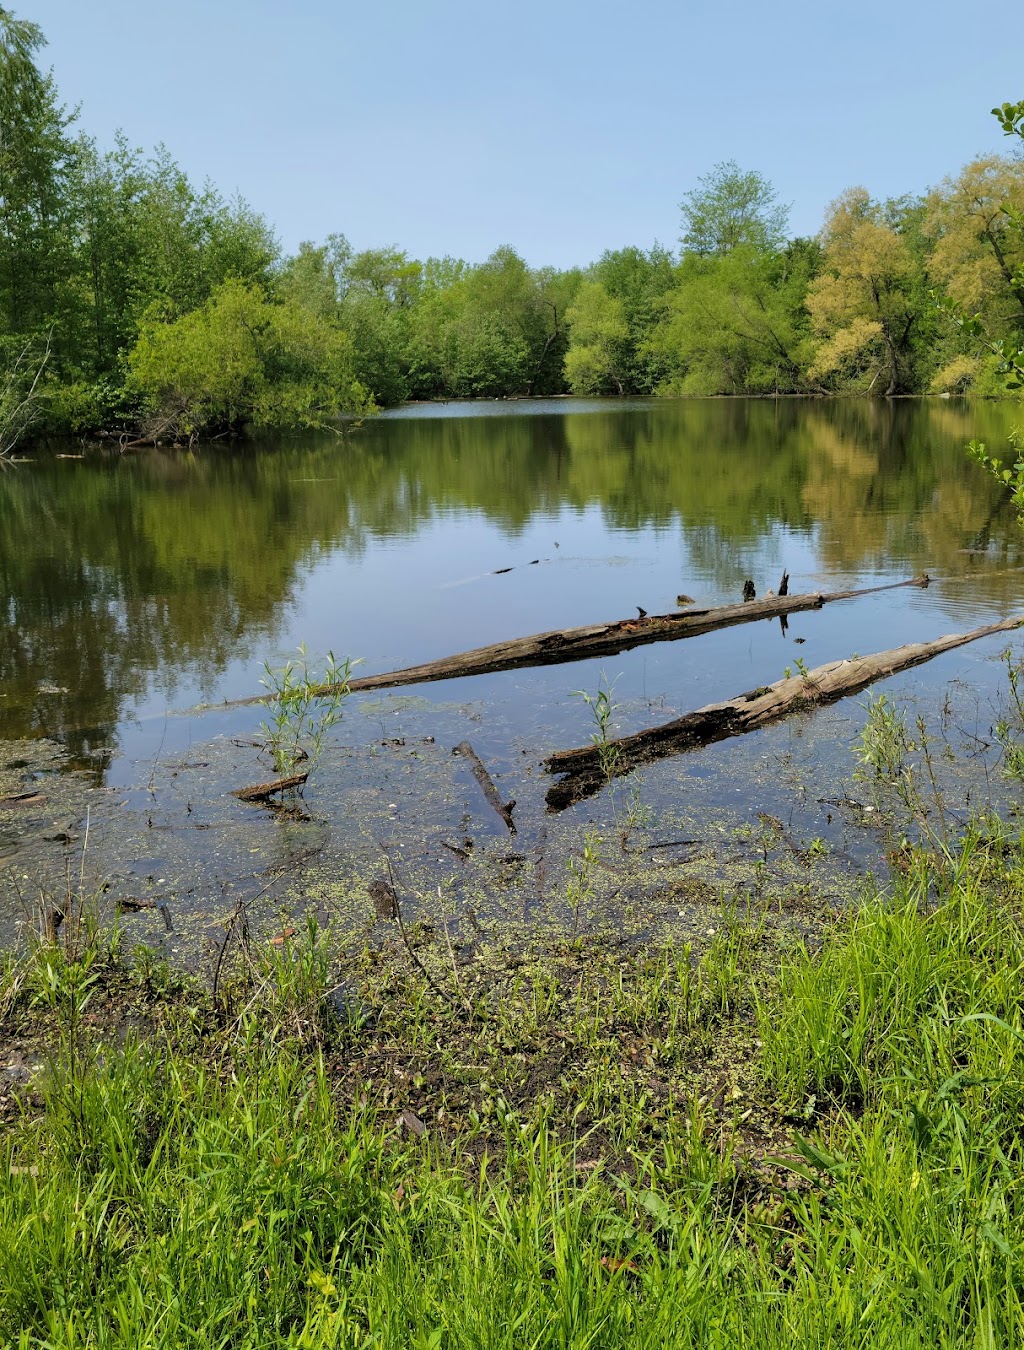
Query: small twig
x=407, y=944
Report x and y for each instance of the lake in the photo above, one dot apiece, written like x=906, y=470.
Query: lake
x=137, y=587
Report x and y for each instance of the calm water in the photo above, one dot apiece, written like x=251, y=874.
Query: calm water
x=139, y=586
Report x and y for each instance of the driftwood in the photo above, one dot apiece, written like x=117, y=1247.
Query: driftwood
x=589, y=767
x=261, y=792
x=22, y=799
x=563, y=645
x=606, y=639
x=503, y=809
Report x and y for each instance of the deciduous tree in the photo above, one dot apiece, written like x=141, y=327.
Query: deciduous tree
x=732, y=208
x=863, y=306
x=242, y=360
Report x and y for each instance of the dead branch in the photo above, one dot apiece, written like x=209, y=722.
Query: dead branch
x=503, y=809
x=588, y=768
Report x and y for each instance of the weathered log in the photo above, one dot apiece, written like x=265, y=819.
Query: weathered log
x=589, y=767
x=260, y=792
x=503, y=809
x=605, y=639
x=563, y=645
x=22, y=799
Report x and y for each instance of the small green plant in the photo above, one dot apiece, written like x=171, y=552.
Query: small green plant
x=602, y=708
x=1009, y=730
x=304, y=706
x=883, y=743
x=1011, y=478
x=637, y=814
x=580, y=888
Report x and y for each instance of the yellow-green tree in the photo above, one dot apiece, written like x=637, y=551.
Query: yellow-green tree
x=595, y=362
x=866, y=301
x=978, y=254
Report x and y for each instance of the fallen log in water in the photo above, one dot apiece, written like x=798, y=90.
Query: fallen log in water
x=261, y=792
x=606, y=639
x=563, y=645
x=589, y=767
x=503, y=809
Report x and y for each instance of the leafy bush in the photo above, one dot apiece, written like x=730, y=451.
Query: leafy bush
x=243, y=360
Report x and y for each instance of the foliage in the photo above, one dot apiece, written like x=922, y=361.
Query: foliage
x=242, y=360
x=1008, y=351
x=977, y=250
x=733, y=208
x=20, y=397
x=736, y=323
x=486, y=331
x=595, y=362
x=37, y=211
x=304, y=705
x=863, y=306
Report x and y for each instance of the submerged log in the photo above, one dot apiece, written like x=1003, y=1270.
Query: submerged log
x=261, y=792
x=605, y=639
x=503, y=809
x=588, y=768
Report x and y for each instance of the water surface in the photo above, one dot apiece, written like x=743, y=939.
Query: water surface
x=135, y=587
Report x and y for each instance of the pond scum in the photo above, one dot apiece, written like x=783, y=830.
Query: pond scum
x=799, y=1129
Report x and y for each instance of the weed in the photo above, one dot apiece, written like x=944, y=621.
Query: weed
x=1009, y=729
x=882, y=745
x=602, y=709
x=579, y=889
x=304, y=705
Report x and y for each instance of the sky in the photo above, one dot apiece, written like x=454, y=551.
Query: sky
x=560, y=127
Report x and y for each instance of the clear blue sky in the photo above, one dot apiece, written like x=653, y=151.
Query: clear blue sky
x=560, y=127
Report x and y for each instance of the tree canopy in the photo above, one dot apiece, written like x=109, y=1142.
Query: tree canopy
x=129, y=296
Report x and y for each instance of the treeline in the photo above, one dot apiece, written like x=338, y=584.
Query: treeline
x=131, y=299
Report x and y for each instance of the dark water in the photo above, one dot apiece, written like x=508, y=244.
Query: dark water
x=138, y=586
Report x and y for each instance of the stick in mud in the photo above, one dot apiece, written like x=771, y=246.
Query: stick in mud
x=504, y=809
x=261, y=792
x=586, y=772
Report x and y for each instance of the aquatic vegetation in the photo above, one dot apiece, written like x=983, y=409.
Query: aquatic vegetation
x=304, y=704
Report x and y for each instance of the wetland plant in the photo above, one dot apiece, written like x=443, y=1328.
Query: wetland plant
x=304, y=706
x=602, y=708
x=1009, y=730
x=579, y=890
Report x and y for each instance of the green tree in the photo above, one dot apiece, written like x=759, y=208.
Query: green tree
x=242, y=360
x=146, y=235
x=640, y=280
x=732, y=208
x=37, y=227
x=598, y=355
x=315, y=277
x=736, y=323
x=976, y=261
x=1009, y=352
x=486, y=331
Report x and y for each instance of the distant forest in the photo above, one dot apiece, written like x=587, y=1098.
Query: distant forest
x=132, y=300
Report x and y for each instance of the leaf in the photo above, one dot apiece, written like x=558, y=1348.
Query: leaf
x=617, y=1263
x=323, y=1282
x=412, y=1122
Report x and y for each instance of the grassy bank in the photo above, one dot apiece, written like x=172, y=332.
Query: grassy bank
x=764, y=1141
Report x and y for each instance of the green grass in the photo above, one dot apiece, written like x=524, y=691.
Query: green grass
x=760, y=1143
